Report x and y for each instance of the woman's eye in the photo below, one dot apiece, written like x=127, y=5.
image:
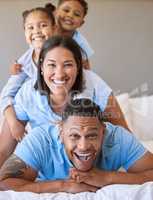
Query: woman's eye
x=68, y=65
x=51, y=65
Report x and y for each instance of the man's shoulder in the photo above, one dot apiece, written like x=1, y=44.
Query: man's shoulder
x=43, y=135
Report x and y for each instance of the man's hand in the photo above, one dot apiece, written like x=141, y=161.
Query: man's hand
x=71, y=186
x=15, y=68
x=94, y=177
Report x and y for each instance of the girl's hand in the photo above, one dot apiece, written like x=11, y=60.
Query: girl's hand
x=15, y=68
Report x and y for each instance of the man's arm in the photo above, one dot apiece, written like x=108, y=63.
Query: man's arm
x=139, y=173
x=16, y=175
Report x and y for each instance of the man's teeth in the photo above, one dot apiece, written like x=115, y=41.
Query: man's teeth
x=84, y=156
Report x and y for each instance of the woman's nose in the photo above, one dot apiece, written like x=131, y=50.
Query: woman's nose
x=59, y=72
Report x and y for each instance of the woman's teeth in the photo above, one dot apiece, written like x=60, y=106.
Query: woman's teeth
x=57, y=82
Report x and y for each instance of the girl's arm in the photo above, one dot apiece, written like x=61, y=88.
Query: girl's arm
x=17, y=127
x=10, y=90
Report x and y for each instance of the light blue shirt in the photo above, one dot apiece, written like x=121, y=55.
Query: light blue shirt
x=83, y=43
x=31, y=106
x=42, y=150
x=29, y=71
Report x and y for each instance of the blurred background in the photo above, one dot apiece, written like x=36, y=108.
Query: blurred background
x=119, y=31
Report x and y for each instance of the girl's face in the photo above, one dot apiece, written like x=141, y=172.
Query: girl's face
x=38, y=28
x=59, y=70
x=69, y=15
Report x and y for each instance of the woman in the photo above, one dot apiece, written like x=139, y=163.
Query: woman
x=60, y=78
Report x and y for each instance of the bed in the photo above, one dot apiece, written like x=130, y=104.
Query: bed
x=139, y=115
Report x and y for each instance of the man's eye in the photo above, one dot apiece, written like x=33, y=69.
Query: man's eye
x=74, y=136
x=92, y=137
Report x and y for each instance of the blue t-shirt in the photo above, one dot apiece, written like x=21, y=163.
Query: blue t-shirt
x=33, y=107
x=42, y=150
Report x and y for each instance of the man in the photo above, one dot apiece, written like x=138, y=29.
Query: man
x=85, y=156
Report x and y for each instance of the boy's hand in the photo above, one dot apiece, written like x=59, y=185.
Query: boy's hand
x=15, y=68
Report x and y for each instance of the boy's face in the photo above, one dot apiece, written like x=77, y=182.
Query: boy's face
x=69, y=15
x=82, y=137
x=38, y=28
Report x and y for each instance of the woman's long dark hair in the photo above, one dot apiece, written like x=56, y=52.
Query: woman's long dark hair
x=71, y=45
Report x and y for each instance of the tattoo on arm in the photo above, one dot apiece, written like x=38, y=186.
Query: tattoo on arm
x=14, y=167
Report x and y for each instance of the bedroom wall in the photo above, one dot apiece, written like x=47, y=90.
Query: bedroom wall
x=120, y=32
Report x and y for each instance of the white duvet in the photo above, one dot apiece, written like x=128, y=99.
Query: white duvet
x=111, y=192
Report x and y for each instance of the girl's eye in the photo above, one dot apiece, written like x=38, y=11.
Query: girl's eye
x=44, y=25
x=29, y=27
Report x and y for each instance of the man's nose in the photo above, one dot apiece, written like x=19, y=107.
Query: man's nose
x=83, y=144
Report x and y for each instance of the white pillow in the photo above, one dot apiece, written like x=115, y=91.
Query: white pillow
x=123, y=100
x=141, y=111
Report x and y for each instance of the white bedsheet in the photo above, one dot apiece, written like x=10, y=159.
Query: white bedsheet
x=111, y=192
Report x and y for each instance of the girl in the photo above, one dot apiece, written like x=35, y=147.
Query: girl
x=38, y=26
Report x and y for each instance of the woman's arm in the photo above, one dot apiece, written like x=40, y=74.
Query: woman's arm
x=113, y=113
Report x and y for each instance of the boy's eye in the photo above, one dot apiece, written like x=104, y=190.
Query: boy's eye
x=66, y=10
x=77, y=14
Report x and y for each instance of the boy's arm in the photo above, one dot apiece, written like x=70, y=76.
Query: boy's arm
x=16, y=175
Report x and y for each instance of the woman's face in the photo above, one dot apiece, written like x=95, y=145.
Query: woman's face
x=59, y=70
x=38, y=28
